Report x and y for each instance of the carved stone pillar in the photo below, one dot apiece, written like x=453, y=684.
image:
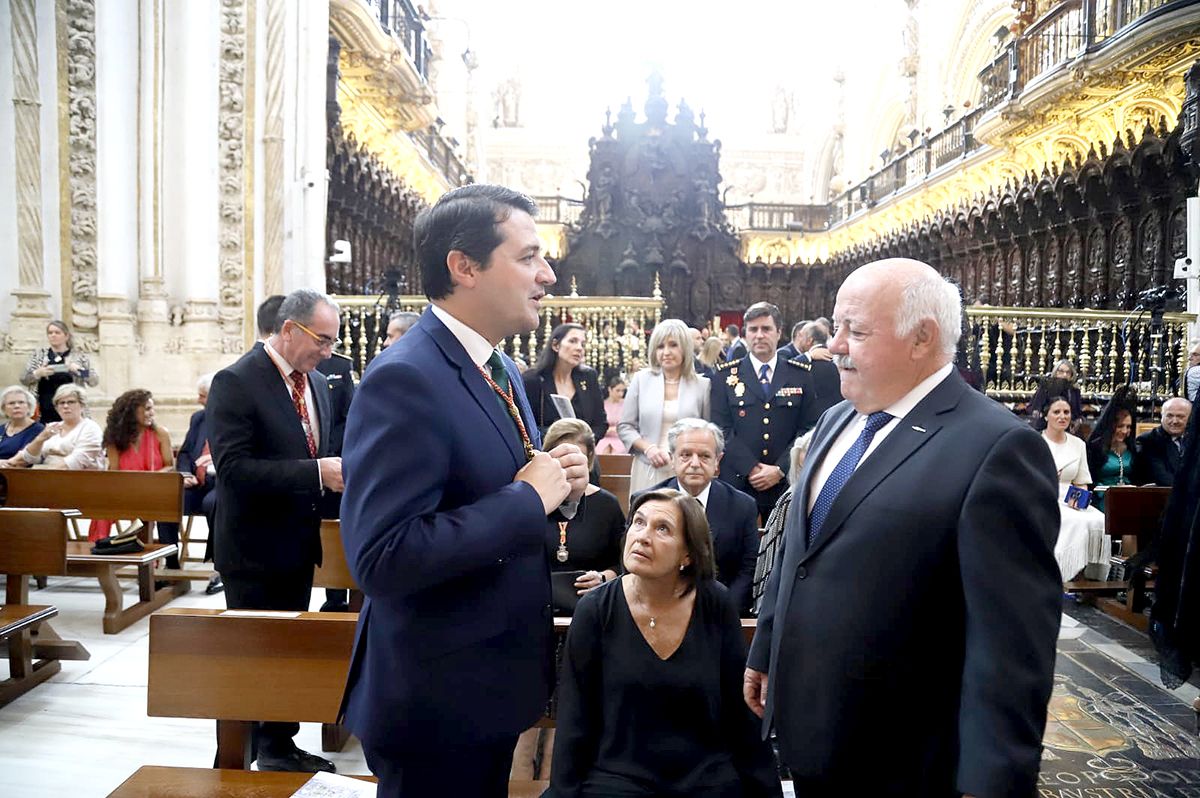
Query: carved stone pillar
x=231, y=167
x=116, y=327
x=273, y=173
x=201, y=326
x=28, y=326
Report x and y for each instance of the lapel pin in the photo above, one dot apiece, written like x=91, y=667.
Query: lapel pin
x=918, y=429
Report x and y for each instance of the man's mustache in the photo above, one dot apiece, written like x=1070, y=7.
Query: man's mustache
x=843, y=361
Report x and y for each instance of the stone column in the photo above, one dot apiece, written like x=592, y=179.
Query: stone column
x=273, y=171
x=153, y=308
x=28, y=327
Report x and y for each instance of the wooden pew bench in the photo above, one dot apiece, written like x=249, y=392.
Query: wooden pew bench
x=31, y=542
x=148, y=496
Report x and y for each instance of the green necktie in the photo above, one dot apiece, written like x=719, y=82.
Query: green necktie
x=499, y=373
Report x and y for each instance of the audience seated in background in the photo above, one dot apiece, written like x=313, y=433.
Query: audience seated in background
x=1159, y=452
x=133, y=442
x=560, y=370
x=614, y=404
x=649, y=695
x=17, y=404
x=1111, y=457
x=57, y=365
x=1059, y=382
x=696, y=447
x=200, y=475
x=657, y=397
x=1076, y=526
x=586, y=550
x=73, y=442
x=768, y=544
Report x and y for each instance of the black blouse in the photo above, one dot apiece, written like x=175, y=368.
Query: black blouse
x=593, y=535
x=631, y=724
x=588, y=403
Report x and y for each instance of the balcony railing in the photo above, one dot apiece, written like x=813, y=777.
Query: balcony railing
x=558, y=210
x=778, y=216
x=400, y=19
x=441, y=154
x=1015, y=347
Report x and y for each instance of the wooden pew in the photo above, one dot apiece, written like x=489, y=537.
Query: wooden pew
x=1132, y=515
x=31, y=542
x=149, y=496
x=620, y=465
x=334, y=572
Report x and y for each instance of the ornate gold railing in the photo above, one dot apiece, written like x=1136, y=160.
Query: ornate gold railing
x=1016, y=347
x=618, y=327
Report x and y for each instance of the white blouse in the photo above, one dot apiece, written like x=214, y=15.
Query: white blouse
x=1070, y=458
x=79, y=449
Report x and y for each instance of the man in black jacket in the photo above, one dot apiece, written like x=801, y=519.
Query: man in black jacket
x=1160, y=450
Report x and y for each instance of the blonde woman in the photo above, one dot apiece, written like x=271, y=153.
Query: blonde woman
x=657, y=397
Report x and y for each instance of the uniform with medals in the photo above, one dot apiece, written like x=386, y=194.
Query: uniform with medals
x=760, y=424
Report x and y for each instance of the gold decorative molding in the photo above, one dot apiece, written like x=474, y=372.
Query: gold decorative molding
x=380, y=68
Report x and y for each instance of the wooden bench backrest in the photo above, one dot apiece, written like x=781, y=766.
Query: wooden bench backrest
x=207, y=664
x=1134, y=514
x=619, y=465
x=333, y=571
x=619, y=487
x=150, y=496
x=33, y=541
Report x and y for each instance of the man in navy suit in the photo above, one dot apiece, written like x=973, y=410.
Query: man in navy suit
x=696, y=448
x=914, y=604
x=444, y=515
x=270, y=419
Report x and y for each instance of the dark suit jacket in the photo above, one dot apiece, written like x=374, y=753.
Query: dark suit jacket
x=336, y=369
x=268, y=518
x=1156, y=458
x=733, y=522
x=788, y=351
x=921, y=625
x=193, y=443
x=588, y=400
x=736, y=352
x=828, y=385
x=454, y=640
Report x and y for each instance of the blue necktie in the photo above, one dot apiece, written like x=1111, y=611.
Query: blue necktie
x=765, y=379
x=842, y=472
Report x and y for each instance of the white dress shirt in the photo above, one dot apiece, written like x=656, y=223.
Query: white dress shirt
x=285, y=371
x=770, y=364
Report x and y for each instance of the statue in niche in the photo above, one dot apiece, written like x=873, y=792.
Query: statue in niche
x=1097, y=272
x=602, y=194
x=781, y=109
x=1016, y=277
x=508, y=104
x=1073, y=272
x=701, y=300
x=1151, y=271
x=1033, y=272
x=998, y=282
x=983, y=279
x=1122, y=250
x=1052, y=294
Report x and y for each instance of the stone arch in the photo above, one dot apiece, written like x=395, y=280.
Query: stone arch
x=975, y=48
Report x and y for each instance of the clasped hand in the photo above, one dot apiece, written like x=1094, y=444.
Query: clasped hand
x=558, y=475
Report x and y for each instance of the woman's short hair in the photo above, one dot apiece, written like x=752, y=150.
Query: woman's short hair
x=548, y=359
x=1059, y=364
x=798, y=453
x=677, y=331
x=571, y=430
x=70, y=389
x=61, y=325
x=30, y=399
x=696, y=536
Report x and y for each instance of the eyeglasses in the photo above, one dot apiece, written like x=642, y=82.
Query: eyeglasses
x=62, y=402
x=324, y=341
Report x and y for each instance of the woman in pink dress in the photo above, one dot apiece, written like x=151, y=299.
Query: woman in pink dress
x=134, y=443
x=610, y=443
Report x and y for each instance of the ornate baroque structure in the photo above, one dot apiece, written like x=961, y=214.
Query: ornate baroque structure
x=232, y=181
x=78, y=17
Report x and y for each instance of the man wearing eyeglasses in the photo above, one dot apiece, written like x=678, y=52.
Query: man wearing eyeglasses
x=270, y=434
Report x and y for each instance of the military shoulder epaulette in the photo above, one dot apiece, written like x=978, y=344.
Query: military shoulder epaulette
x=344, y=356
x=804, y=364
x=727, y=365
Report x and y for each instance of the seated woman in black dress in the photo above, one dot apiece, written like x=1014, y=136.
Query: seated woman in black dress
x=585, y=552
x=560, y=370
x=650, y=690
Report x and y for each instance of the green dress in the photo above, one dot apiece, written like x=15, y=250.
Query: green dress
x=1115, y=471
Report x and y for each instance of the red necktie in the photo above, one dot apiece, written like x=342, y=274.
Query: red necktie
x=299, y=381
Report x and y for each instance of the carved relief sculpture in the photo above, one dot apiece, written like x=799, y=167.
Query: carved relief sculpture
x=79, y=17
x=231, y=144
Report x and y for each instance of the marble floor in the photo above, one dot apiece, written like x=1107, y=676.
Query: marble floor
x=84, y=731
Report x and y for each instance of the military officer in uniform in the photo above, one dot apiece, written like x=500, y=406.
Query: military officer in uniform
x=762, y=402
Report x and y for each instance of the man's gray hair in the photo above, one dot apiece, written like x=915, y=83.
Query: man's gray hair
x=204, y=383
x=301, y=304
x=930, y=296
x=406, y=318
x=695, y=424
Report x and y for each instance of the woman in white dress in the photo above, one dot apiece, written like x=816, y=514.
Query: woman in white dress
x=658, y=397
x=1070, y=458
x=73, y=443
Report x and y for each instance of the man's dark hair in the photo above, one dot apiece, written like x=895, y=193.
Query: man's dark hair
x=816, y=332
x=761, y=309
x=465, y=219
x=267, y=316
x=733, y=330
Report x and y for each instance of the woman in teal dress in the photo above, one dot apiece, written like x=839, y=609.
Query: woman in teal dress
x=1109, y=449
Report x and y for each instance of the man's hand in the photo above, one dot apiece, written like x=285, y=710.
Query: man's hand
x=764, y=477
x=190, y=481
x=574, y=465
x=819, y=353
x=754, y=691
x=331, y=473
x=548, y=478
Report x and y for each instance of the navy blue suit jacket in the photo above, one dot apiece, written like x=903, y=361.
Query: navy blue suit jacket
x=193, y=443
x=454, y=640
x=733, y=522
